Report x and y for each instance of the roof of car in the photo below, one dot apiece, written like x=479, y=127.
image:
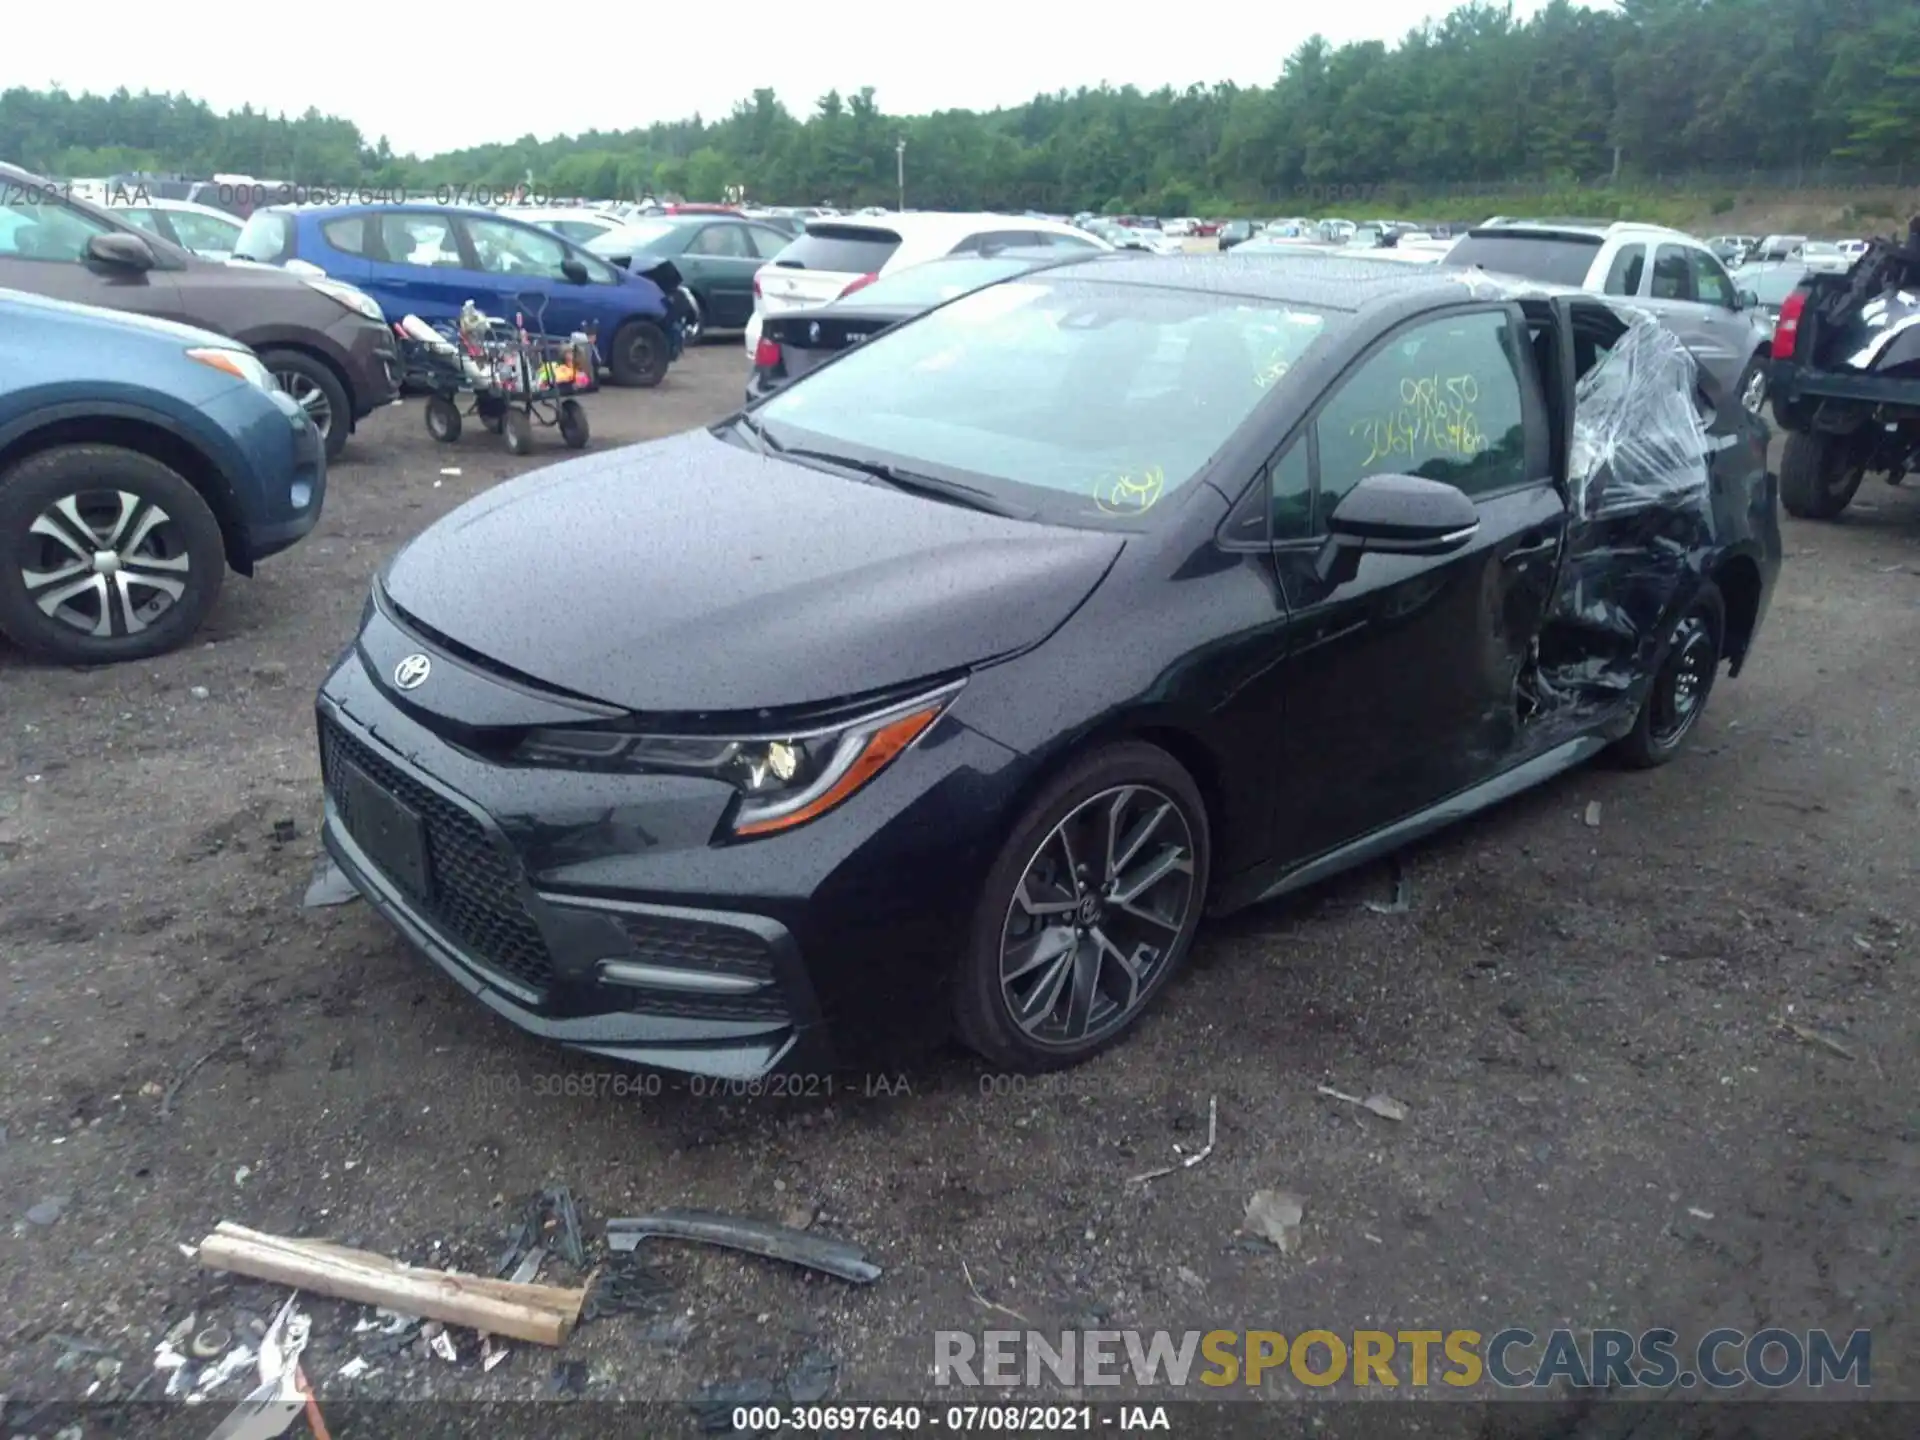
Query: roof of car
x=178, y=207
x=918, y=223
x=1597, y=229
x=1319, y=280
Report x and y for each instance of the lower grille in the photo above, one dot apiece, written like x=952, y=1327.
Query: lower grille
x=697, y=945
x=475, y=881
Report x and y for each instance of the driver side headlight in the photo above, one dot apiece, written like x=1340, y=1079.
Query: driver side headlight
x=241, y=364
x=783, y=780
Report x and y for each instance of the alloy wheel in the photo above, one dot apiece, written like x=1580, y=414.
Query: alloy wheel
x=105, y=563
x=1098, y=909
x=1753, y=395
x=308, y=395
x=1680, y=690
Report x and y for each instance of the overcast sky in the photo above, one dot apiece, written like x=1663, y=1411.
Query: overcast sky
x=432, y=77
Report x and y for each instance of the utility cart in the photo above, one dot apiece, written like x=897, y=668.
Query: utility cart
x=511, y=376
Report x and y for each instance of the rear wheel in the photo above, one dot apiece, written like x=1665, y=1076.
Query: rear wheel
x=318, y=391
x=105, y=555
x=1089, y=911
x=640, y=354
x=1818, y=475
x=1689, y=663
x=1753, y=385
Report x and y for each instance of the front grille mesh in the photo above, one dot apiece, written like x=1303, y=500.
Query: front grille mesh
x=697, y=945
x=476, y=882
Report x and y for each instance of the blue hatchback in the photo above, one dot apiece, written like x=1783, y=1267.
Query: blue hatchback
x=428, y=260
x=139, y=460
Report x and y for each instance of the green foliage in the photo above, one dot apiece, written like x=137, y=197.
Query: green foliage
x=1721, y=205
x=1593, y=103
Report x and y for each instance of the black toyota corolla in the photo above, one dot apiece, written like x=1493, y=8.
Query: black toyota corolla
x=946, y=689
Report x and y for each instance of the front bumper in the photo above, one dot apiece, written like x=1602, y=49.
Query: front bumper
x=278, y=468
x=597, y=912
x=373, y=364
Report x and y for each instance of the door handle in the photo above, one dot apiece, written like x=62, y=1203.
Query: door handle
x=1527, y=552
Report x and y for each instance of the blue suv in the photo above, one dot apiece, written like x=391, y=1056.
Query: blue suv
x=139, y=461
x=427, y=260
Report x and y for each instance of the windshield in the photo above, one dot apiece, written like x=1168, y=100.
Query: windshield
x=936, y=283
x=1089, y=400
x=629, y=239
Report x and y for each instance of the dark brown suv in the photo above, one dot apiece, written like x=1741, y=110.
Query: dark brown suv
x=327, y=343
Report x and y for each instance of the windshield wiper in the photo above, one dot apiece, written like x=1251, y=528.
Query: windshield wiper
x=913, y=482
x=768, y=445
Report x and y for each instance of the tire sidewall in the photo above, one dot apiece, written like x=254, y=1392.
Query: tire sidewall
x=41, y=480
x=985, y=1021
x=341, y=425
x=1709, y=602
x=443, y=420
x=626, y=371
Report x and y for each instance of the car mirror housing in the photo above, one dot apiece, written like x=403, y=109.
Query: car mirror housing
x=1395, y=515
x=121, y=250
x=1745, y=300
x=575, y=269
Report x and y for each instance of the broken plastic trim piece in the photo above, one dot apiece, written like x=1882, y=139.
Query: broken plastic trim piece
x=754, y=1237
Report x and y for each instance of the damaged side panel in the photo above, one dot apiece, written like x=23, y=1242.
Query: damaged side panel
x=1665, y=481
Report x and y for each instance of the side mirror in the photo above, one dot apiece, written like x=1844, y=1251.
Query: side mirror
x=1745, y=300
x=575, y=269
x=1395, y=515
x=121, y=251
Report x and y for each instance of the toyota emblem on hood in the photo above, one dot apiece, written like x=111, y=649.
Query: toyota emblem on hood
x=411, y=673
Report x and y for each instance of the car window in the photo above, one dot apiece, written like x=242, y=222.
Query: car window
x=631, y=239
x=727, y=242
x=1290, y=491
x=1441, y=401
x=578, y=231
x=414, y=238
x=144, y=219
x=1558, y=259
x=503, y=248
x=1089, y=402
x=937, y=281
x=1623, y=277
x=1771, y=284
x=45, y=230
x=841, y=249
x=985, y=240
x=203, y=232
x=348, y=236
x=1672, y=274
x=1060, y=241
x=1710, y=282
x=766, y=241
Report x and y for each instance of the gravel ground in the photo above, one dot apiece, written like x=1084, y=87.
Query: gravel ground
x=1608, y=1122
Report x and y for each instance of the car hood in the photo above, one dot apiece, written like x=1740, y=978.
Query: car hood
x=690, y=575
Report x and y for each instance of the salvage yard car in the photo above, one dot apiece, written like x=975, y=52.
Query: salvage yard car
x=328, y=344
x=139, y=460
x=1846, y=378
x=429, y=260
x=948, y=687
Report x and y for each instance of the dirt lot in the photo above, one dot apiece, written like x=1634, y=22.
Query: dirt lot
x=1609, y=1123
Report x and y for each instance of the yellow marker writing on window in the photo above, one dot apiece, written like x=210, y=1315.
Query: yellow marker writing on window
x=1131, y=494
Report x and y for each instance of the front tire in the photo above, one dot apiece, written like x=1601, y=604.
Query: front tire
x=519, y=432
x=1088, y=912
x=105, y=555
x=640, y=354
x=574, y=430
x=318, y=391
x=443, y=419
x=1818, y=477
x=1682, y=681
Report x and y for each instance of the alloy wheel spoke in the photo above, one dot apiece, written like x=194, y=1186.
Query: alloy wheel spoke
x=127, y=581
x=1044, y=998
x=1026, y=900
x=75, y=536
x=1085, y=983
x=151, y=518
x=1136, y=839
x=1036, y=952
x=1173, y=860
x=1122, y=961
x=39, y=579
x=56, y=599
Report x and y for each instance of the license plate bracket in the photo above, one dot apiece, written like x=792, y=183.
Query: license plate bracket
x=393, y=835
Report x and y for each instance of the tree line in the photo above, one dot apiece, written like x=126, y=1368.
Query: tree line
x=1569, y=96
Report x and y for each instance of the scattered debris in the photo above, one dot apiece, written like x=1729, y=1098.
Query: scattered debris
x=811, y=1379
x=442, y=1345
x=1813, y=1037
x=1276, y=1215
x=49, y=1210
x=229, y=1365
x=240, y=1175
x=450, y=470
x=353, y=1369
x=212, y=1342
x=1402, y=900
x=552, y=1221
x=1385, y=1106
x=329, y=885
x=179, y=1082
x=79, y=1345
x=755, y=1237
x=540, y=1314
x=285, y=832
x=200, y=692
x=801, y=1216
x=967, y=1275
x=491, y=1353
x=1593, y=814
x=1213, y=1133
x=673, y=1330
x=716, y=1402
x=625, y=1287
x=165, y=1357
x=1191, y=1278
x=1697, y=1213
x=569, y=1378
